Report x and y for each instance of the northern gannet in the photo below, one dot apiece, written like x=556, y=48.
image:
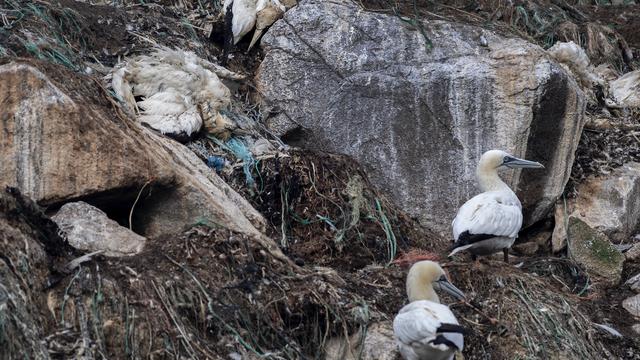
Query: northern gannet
x=490, y=221
x=425, y=329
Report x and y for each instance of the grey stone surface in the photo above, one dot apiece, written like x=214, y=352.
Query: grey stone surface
x=632, y=305
x=633, y=253
x=634, y=282
x=593, y=250
x=88, y=228
x=611, y=203
x=365, y=84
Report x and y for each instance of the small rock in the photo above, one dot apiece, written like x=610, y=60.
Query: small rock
x=608, y=329
x=261, y=147
x=633, y=253
x=88, y=228
x=559, y=236
x=636, y=328
x=528, y=248
x=592, y=249
x=623, y=247
x=632, y=305
x=634, y=282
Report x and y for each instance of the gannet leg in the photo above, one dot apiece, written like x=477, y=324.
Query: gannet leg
x=505, y=251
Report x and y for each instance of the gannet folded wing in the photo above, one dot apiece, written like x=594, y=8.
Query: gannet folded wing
x=491, y=213
x=487, y=215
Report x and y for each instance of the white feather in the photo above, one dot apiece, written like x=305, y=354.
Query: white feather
x=416, y=326
x=122, y=89
x=188, y=122
x=244, y=18
x=496, y=213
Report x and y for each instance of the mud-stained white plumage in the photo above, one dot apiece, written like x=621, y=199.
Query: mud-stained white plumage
x=490, y=222
x=575, y=58
x=425, y=329
x=177, y=90
x=267, y=12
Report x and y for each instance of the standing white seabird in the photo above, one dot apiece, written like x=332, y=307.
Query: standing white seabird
x=425, y=329
x=490, y=221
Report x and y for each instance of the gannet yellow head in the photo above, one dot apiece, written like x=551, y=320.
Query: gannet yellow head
x=494, y=159
x=489, y=163
x=424, y=278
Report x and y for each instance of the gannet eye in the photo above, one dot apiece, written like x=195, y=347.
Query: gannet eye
x=506, y=159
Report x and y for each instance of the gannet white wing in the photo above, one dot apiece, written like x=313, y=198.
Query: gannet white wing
x=244, y=18
x=493, y=213
x=427, y=330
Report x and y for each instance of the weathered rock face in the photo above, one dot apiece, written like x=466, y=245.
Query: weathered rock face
x=593, y=250
x=418, y=118
x=54, y=147
x=23, y=271
x=611, y=204
x=559, y=236
x=63, y=139
x=88, y=228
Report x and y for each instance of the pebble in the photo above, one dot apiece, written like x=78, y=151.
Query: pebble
x=632, y=305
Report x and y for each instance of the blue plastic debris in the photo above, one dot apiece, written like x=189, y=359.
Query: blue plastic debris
x=240, y=151
x=216, y=162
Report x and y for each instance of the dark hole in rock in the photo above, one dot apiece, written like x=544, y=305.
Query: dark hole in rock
x=294, y=137
x=534, y=229
x=117, y=204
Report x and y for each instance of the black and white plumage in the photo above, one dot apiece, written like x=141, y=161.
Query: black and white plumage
x=245, y=14
x=490, y=221
x=425, y=329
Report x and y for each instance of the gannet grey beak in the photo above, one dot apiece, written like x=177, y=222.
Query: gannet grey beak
x=444, y=284
x=514, y=163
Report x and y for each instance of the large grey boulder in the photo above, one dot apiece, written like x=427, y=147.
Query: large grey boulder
x=610, y=203
x=416, y=117
x=88, y=228
x=593, y=250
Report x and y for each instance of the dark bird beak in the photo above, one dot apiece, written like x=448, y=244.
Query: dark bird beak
x=448, y=287
x=515, y=163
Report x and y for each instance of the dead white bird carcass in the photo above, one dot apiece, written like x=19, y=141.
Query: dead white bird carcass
x=575, y=58
x=249, y=13
x=175, y=92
